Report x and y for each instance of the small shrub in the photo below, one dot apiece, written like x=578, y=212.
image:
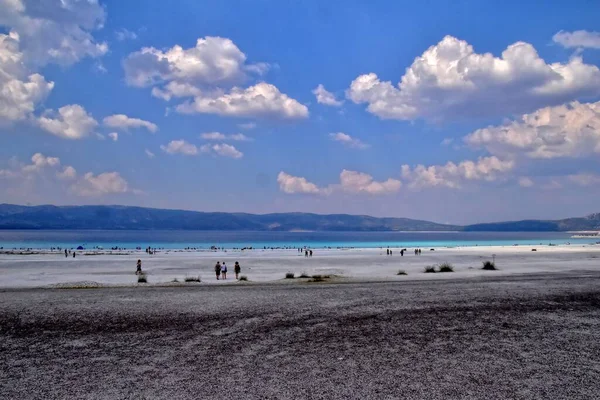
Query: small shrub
x=446, y=267
x=142, y=279
x=401, y=272
x=430, y=269
x=193, y=279
x=489, y=266
x=175, y=280
x=304, y=275
x=289, y=275
x=243, y=278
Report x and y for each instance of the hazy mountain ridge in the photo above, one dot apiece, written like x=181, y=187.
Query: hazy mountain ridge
x=126, y=217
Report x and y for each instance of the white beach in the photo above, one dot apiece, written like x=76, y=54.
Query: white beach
x=46, y=269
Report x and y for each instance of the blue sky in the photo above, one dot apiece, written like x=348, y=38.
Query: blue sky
x=475, y=111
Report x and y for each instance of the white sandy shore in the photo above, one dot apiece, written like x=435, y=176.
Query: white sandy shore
x=271, y=265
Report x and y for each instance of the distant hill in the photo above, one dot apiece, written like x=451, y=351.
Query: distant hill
x=134, y=218
x=123, y=217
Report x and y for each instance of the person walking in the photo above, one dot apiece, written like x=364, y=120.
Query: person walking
x=237, y=269
x=218, y=270
x=224, y=271
x=138, y=270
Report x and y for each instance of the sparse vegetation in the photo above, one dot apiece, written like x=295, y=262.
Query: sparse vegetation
x=446, y=267
x=489, y=266
x=290, y=275
x=192, y=279
x=142, y=278
x=175, y=280
x=304, y=275
x=430, y=269
x=243, y=278
x=401, y=272
x=319, y=278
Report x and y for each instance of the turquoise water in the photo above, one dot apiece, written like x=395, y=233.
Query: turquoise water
x=11, y=239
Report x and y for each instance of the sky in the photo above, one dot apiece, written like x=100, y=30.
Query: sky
x=455, y=112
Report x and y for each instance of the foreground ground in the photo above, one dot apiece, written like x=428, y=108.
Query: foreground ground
x=518, y=337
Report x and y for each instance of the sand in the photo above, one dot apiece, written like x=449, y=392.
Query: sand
x=519, y=336
x=103, y=268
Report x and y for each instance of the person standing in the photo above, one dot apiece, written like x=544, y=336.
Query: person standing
x=224, y=271
x=218, y=270
x=138, y=270
x=237, y=269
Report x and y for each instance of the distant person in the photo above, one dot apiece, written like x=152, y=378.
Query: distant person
x=305, y=253
x=138, y=269
x=402, y=253
x=218, y=270
x=310, y=253
x=388, y=252
x=391, y=252
x=224, y=271
x=237, y=269
x=73, y=254
x=66, y=253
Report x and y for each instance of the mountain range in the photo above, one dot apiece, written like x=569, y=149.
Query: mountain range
x=140, y=218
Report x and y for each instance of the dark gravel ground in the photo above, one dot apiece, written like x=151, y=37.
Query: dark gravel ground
x=517, y=337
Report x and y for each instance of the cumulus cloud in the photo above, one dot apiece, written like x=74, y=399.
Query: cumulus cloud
x=114, y=136
x=358, y=182
x=125, y=34
x=181, y=147
x=578, y=39
x=295, y=184
x=569, y=130
x=223, y=150
x=325, y=97
x=262, y=100
x=67, y=173
x=55, y=31
x=238, y=137
x=585, y=179
x=525, y=182
x=40, y=162
x=348, y=140
x=450, y=80
x=452, y=175
x=91, y=185
x=149, y=153
x=20, y=90
x=70, y=122
x=214, y=60
x=247, y=125
x=122, y=121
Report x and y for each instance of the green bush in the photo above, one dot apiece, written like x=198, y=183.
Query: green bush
x=401, y=272
x=289, y=275
x=304, y=275
x=446, y=267
x=489, y=266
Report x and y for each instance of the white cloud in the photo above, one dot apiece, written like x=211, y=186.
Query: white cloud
x=585, y=179
x=114, y=136
x=578, y=39
x=55, y=31
x=20, y=90
x=358, y=182
x=125, y=34
x=453, y=175
x=262, y=100
x=325, y=97
x=40, y=162
x=569, y=130
x=348, y=140
x=224, y=150
x=247, y=126
x=450, y=81
x=97, y=185
x=214, y=60
x=447, y=142
x=181, y=147
x=149, y=153
x=295, y=184
x=71, y=122
x=122, y=121
x=67, y=173
x=525, y=182
x=238, y=137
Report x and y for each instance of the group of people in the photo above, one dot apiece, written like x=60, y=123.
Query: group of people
x=307, y=252
x=221, y=270
x=69, y=252
x=389, y=252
